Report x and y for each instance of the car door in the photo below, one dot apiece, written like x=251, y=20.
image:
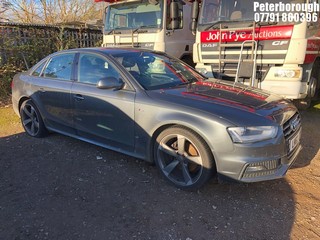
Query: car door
x=104, y=116
x=52, y=92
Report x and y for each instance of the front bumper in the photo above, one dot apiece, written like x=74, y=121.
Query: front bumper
x=278, y=172
x=273, y=167
x=263, y=161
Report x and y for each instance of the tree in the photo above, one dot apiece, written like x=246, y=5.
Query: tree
x=4, y=6
x=54, y=11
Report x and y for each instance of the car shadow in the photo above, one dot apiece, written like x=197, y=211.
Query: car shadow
x=310, y=138
x=62, y=188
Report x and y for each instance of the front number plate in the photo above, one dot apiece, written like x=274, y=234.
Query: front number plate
x=294, y=141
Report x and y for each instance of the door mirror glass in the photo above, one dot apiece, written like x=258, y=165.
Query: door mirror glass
x=110, y=83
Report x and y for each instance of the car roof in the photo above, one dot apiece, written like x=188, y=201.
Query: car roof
x=106, y=50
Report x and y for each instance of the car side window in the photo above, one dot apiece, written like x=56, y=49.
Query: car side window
x=92, y=68
x=60, y=67
x=38, y=70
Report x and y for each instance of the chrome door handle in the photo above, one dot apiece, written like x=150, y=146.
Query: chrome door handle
x=78, y=97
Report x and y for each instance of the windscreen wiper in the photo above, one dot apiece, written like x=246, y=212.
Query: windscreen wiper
x=214, y=25
x=143, y=26
x=113, y=31
x=266, y=23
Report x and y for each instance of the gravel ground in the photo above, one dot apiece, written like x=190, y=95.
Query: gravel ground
x=62, y=188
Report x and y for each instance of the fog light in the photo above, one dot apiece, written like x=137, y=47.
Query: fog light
x=255, y=169
x=202, y=71
x=260, y=169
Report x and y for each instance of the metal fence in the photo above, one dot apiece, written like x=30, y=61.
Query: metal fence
x=35, y=41
x=82, y=35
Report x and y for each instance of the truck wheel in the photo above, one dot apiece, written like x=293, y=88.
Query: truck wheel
x=313, y=88
x=302, y=104
x=313, y=94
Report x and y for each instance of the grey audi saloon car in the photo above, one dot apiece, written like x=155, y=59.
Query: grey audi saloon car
x=155, y=107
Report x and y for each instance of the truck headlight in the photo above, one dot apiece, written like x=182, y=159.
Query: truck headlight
x=252, y=134
x=287, y=73
x=202, y=71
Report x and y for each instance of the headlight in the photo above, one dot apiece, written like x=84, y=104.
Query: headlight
x=202, y=71
x=252, y=134
x=287, y=73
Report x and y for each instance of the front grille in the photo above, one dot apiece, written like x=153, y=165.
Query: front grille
x=291, y=126
x=259, y=174
x=291, y=131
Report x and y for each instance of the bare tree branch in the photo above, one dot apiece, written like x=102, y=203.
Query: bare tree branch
x=54, y=11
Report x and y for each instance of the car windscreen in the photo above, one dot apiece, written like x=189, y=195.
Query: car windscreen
x=157, y=71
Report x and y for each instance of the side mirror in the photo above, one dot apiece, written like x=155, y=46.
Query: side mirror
x=104, y=15
x=154, y=2
x=194, y=16
x=174, y=15
x=110, y=83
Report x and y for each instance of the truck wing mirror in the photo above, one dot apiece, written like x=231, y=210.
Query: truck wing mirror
x=154, y=2
x=194, y=16
x=105, y=15
x=174, y=15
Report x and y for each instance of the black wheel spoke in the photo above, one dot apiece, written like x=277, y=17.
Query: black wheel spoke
x=33, y=131
x=26, y=111
x=186, y=174
x=168, y=150
x=36, y=124
x=27, y=121
x=170, y=167
x=33, y=113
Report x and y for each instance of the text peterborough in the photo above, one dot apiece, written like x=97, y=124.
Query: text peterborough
x=286, y=7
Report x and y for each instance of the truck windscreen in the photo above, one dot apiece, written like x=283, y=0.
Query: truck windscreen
x=226, y=11
x=134, y=15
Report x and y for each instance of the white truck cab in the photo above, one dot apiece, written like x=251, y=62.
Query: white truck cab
x=154, y=24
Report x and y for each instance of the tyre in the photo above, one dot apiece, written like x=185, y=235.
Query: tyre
x=31, y=120
x=313, y=88
x=302, y=104
x=313, y=91
x=183, y=158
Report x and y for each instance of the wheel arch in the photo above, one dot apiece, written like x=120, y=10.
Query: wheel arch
x=314, y=69
x=186, y=126
x=187, y=58
x=22, y=100
x=26, y=98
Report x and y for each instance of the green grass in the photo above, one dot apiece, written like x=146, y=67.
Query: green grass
x=7, y=117
x=315, y=106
